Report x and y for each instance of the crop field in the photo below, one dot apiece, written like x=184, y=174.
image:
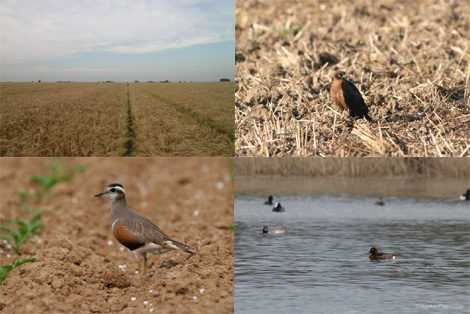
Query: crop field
x=409, y=59
x=110, y=119
x=77, y=258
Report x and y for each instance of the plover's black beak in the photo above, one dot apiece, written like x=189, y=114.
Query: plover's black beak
x=101, y=194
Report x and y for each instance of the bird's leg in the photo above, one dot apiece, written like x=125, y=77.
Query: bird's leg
x=145, y=265
x=145, y=268
x=140, y=266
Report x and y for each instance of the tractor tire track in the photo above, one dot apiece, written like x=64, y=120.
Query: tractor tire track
x=130, y=144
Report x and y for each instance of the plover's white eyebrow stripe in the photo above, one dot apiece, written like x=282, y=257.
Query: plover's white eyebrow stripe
x=118, y=188
x=112, y=226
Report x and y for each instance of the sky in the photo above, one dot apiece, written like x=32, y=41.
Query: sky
x=117, y=40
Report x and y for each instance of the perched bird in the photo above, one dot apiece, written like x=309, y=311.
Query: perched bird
x=381, y=202
x=137, y=233
x=276, y=231
x=269, y=201
x=376, y=255
x=466, y=196
x=278, y=208
x=347, y=97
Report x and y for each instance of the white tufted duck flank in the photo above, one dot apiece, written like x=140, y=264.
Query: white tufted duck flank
x=466, y=196
x=275, y=231
x=278, y=208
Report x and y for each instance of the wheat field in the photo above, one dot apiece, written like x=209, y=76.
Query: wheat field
x=111, y=119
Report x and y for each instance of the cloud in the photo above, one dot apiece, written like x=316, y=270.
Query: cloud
x=53, y=29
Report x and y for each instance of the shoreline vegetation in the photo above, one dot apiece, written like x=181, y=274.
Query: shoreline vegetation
x=417, y=168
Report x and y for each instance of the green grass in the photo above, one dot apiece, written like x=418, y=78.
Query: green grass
x=25, y=230
x=5, y=270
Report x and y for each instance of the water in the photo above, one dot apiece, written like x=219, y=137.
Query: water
x=322, y=266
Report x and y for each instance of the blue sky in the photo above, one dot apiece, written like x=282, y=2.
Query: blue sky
x=82, y=40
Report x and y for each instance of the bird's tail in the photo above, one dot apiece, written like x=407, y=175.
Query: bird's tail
x=368, y=118
x=179, y=246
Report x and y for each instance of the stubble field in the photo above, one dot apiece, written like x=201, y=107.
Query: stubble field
x=110, y=119
x=409, y=59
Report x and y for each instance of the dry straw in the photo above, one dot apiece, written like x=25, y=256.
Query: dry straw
x=409, y=59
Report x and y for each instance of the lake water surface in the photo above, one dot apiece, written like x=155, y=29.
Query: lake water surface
x=322, y=266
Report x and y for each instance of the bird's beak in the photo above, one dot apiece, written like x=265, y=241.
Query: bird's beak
x=101, y=194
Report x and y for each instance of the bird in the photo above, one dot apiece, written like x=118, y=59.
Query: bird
x=279, y=208
x=381, y=202
x=376, y=255
x=276, y=231
x=269, y=201
x=466, y=196
x=347, y=97
x=138, y=234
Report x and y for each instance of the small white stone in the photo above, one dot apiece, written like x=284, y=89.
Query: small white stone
x=146, y=302
x=194, y=298
x=220, y=185
x=121, y=249
x=196, y=212
x=133, y=299
x=8, y=255
x=144, y=204
x=201, y=290
x=151, y=310
x=150, y=291
x=110, y=242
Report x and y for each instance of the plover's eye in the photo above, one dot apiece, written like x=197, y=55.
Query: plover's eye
x=113, y=190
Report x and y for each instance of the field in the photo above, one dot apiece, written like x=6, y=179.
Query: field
x=81, y=268
x=110, y=119
x=409, y=59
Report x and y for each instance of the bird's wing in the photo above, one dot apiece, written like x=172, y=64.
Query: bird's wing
x=353, y=98
x=151, y=233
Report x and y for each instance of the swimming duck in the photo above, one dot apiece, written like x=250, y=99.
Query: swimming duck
x=381, y=202
x=269, y=201
x=276, y=231
x=278, y=208
x=466, y=196
x=376, y=255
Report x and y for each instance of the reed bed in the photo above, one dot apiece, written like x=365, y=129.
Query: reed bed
x=394, y=167
x=409, y=59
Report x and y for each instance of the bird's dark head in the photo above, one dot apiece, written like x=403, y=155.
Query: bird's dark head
x=339, y=75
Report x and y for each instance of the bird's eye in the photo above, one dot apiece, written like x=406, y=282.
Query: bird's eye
x=113, y=190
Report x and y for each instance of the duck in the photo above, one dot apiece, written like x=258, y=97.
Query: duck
x=376, y=255
x=381, y=202
x=466, y=196
x=276, y=231
x=278, y=208
x=269, y=201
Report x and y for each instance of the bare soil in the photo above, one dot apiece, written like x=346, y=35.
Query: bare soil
x=79, y=267
x=409, y=59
